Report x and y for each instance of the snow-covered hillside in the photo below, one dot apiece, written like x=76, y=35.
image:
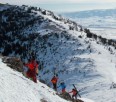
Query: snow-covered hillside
x=83, y=62
x=61, y=46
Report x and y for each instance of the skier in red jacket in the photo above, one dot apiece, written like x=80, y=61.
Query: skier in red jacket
x=32, y=69
x=74, y=93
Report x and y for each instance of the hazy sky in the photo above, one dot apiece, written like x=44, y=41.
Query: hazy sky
x=66, y=5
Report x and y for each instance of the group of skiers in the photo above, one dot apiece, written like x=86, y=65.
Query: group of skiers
x=32, y=73
x=54, y=81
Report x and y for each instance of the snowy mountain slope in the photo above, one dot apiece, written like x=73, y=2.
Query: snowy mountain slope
x=82, y=64
x=14, y=87
x=105, y=66
x=76, y=59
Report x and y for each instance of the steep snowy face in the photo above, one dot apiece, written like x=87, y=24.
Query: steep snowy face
x=14, y=87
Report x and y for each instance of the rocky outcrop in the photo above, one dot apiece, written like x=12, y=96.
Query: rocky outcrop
x=14, y=63
x=68, y=97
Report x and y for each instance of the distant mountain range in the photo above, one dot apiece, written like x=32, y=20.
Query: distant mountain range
x=91, y=13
